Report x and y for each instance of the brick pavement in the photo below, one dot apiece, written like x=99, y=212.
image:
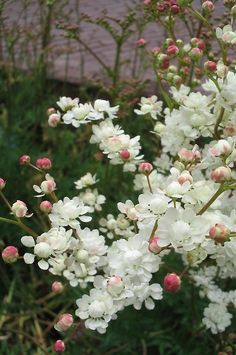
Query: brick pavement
x=68, y=61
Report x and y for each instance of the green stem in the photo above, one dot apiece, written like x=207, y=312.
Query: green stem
x=5, y=200
x=218, y=121
x=149, y=184
x=19, y=224
x=153, y=231
x=212, y=199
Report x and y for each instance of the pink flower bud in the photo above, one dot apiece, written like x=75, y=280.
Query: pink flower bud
x=221, y=148
x=65, y=321
x=175, y=9
x=54, y=120
x=161, y=7
x=230, y=129
x=172, y=282
x=141, y=42
x=115, y=285
x=189, y=156
x=59, y=346
x=146, y=2
x=44, y=163
x=145, y=168
x=124, y=154
x=24, y=160
x=195, y=53
x=57, y=287
x=164, y=61
x=2, y=183
x=210, y=66
x=19, y=209
x=156, y=50
x=172, y=50
x=45, y=206
x=153, y=245
x=185, y=177
x=10, y=254
x=221, y=174
x=208, y=6
x=219, y=233
x=50, y=111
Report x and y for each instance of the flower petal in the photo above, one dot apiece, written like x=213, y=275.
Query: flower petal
x=29, y=258
x=28, y=241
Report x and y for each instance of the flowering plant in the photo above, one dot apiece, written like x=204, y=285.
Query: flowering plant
x=185, y=202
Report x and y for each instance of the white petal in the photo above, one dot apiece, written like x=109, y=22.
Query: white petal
x=43, y=264
x=37, y=188
x=28, y=241
x=29, y=258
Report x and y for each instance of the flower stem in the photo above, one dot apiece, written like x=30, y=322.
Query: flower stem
x=212, y=199
x=218, y=121
x=149, y=184
x=21, y=225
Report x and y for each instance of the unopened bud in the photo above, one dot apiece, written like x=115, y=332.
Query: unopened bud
x=65, y=322
x=221, y=174
x=208, y=6
x=10, y=254
x=44, y=163
x=221, y=70
x=50, y=111
x=141, y=42
x=145, y=168
x=59, y=346
x=172, y=50
x=115, y=285
x=188, y=156
x=124, y=154
x=195, y=53
x=210, y=66
x=24, y=160
x=153, y=245
x=172, y=282
x=219, y=233
x=45, y=206
x=54, y=120
x=57, y=287
x=221, y=148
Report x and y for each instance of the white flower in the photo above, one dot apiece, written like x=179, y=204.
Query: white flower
x=132, y=257
x=92, y=199
x=19, y=209
x=150, y=106
x=67, y=212
x=216, y=318
x=102, y=107
x=46, y=187
x=97, y=309
x=116, y=227
x=226, y=34
x=78, y=115
x=146, y=293
x=128, y=209
x=182, y=229
x=66, y=103
x=151, y=206
x=48, y=245
x=85, y=181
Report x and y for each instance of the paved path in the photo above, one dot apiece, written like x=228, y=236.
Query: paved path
x=68, y=60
